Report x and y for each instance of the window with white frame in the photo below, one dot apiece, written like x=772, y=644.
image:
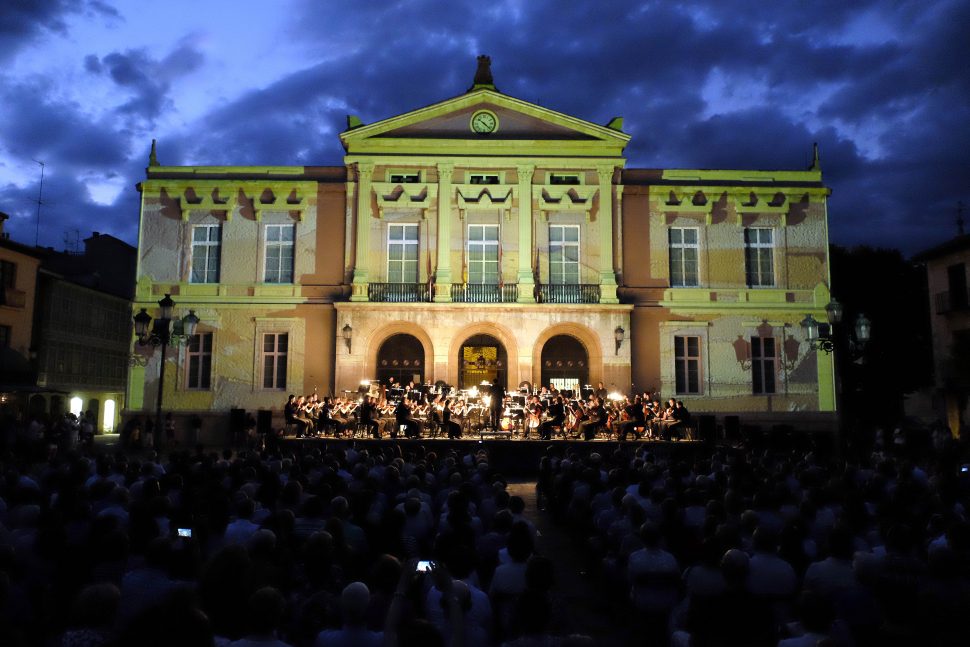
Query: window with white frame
x=684, y=252
x=763, y=354
x=759, y=257
x=687, y=365
x=199, y=361
x=279, y=253
x=206, y=249
x=275, y=351
x=483, y=245
x=402, y=253
x=564, y=254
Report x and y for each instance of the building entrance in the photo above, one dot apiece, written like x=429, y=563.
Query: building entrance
x=565, y=363
x=482, y=358
x=401, y=357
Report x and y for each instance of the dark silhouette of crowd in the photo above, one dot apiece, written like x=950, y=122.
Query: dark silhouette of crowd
x=783, y=545
x=306, y=547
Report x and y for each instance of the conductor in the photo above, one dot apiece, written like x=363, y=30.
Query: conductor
x=497, y=405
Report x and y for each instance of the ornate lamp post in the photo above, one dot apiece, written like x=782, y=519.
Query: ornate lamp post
x=820, y=336
x=163, y=333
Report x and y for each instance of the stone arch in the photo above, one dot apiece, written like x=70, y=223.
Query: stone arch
x=501, y=333
x=588, y=338
x=379, y=336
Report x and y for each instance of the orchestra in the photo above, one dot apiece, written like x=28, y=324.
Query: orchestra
x=390, y=410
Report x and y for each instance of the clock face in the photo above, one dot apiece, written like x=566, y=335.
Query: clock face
x=484, y=121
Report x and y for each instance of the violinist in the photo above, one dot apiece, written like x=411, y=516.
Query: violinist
x=634, y=419
x=557, y=413
x=366, y=415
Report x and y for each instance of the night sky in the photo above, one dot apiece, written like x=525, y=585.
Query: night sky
x=883, y=87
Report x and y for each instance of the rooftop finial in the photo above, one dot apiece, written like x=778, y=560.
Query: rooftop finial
x=816, y=163
x=960, y=218
x=152, y=159
x=483, y=75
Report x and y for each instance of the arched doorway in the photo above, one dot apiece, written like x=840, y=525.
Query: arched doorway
x=482, y=358
x=565, y=363
x=401, y=356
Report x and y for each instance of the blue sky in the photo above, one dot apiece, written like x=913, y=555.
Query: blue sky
x=884, y=87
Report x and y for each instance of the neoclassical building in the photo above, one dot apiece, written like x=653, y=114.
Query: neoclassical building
x=486, y=237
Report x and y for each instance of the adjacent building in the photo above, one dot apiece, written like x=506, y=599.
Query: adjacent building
x=946, y=273
x=481, y=238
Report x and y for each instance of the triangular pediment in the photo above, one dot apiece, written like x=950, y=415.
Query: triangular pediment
x=449, y=124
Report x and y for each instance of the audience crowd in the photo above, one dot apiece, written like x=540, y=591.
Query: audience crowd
x=402, y=545
x=309, y=547
x=749, y=546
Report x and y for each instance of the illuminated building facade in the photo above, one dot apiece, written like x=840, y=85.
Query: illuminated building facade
x=486, y=237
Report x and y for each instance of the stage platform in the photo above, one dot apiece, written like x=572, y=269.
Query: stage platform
x=511, y=456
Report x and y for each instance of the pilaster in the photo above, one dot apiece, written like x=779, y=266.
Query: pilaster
x=442, y=284
x=525, y=278
x=605, y=218
x=359, y=287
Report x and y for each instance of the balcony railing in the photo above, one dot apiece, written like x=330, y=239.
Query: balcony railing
x=398, y=292
x=951, y=302
x=578, y=293
x=484, y=293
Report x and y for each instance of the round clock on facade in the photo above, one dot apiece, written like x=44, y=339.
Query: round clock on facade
x=484, y=121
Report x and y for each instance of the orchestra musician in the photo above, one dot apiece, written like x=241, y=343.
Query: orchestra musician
x=633, y=419
x=497, y=405
x=367, y=414
x=326, y=419
x=597, y=418
x=293, y=414
x=557, y=413
x=452, y=428
x=404, y=417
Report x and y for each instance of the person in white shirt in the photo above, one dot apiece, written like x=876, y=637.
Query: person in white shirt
x=354, y=600
x=834, y=573
x=769, y=575
x=266, y=608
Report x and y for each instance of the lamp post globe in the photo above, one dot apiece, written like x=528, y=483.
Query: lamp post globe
x=863, y=329
x=166, y=305
x=833, y=311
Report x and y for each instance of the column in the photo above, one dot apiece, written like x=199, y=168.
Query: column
x=442, y=283
x=359, y=286
x=605, y=218
x=526, y=278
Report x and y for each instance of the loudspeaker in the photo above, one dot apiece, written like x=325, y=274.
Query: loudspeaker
x=264, y=422
x=707, y=429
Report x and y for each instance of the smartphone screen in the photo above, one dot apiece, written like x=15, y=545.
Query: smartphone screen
x=185, y=532
x=423, y=566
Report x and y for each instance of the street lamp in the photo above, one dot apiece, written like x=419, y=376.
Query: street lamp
x=618, y=338
x=348, y=334
x=163, y=333
x=820, y=336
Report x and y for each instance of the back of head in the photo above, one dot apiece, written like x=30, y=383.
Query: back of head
x=354, y=600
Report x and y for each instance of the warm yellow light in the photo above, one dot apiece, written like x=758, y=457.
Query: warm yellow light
x=487, y=400
x=615, y=395
x=76, y=404
x=108, y=424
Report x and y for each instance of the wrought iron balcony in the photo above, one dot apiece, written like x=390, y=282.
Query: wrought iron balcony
x=576, y=293
x=484, y=293
x=398, y=292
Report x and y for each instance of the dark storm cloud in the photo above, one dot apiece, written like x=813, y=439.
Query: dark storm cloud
x=884, y=88
x=148, y=81
x=23, y=20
